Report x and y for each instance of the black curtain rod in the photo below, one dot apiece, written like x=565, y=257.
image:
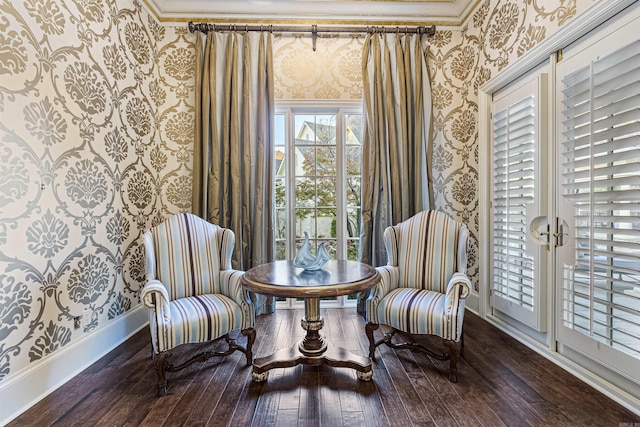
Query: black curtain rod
x=205, y=27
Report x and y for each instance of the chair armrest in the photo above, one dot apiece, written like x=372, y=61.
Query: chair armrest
x=231, y=286
x=458, y=288
x=154, y=295
x=389, y=280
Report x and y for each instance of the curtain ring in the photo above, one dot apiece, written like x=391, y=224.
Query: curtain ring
x=397, y=30
x=246, y=28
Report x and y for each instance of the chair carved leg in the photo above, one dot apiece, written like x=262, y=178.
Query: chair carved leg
x=161, y=364
x=250, y=333
x=369, y=328
x=454, y=350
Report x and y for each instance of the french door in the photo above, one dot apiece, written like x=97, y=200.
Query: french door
x=568, y=201
x=520, y=227
x=598, y=269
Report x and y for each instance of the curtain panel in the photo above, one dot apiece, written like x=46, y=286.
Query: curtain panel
x=233, y=150
x=397, y=137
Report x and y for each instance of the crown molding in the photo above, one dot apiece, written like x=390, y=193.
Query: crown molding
x=442, y=13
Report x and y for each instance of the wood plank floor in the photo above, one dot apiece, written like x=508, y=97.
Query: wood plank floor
x=501, y=383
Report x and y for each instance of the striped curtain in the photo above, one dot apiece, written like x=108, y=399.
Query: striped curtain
x=396, y=181
x=233, y=152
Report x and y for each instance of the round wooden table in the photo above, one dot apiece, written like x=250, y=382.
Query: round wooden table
x=337, y=277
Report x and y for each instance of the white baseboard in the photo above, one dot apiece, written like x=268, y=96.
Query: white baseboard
x=36, y=382
x=472, y=303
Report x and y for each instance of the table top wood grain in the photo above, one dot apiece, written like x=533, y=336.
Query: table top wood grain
x=337, y=277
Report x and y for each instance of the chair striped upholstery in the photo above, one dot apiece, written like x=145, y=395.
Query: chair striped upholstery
x=202, y=318
x=418, y=311
x=423, y=287
x=187, y=257
x=191, y=259
x=418, y=291
x=415, y=310
x=425, y=249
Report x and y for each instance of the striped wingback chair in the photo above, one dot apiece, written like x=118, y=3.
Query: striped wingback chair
x=193, y=294
x=423, y=286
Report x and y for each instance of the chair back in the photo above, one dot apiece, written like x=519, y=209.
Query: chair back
x=189, y=253
x=425, y=248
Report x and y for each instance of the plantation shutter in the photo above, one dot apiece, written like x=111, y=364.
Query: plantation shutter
x=600, y=123
x=515, y=128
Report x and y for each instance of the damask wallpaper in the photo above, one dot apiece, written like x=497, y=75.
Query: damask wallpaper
x=96, y=127
x=332, y=71
x=96, y=124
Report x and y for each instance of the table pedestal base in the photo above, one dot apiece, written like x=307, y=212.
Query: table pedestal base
x=313, y=350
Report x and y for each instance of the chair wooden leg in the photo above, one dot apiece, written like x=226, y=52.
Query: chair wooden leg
x=454, y=350
x=250, y=333
x=160, y=364
x=369, y=328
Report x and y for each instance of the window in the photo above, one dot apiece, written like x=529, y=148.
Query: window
x=317, y=172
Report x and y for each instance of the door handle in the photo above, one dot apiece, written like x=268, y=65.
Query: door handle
x=559, y=235
x=540, y=231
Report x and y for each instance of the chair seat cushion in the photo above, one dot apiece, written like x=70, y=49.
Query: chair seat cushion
x=202, y=318
x=416, y=311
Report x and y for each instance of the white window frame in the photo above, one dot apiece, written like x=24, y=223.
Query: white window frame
x=340, y=109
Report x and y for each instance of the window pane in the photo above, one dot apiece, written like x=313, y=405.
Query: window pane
x=353, y=222
x=326, y=223
x=331, y=246
x=326, y=129
x=281, y=250
x=280, y=193
x=354, y=160
x=279, y=163
x=281, y=223
x=305, y=161
x=354, y=128
x=305, y=192
x=304, y=129
x=353, y=249
x=305, y=221
x=326, y=156
x=326, y=192
x=353, y=191
x=280, y=120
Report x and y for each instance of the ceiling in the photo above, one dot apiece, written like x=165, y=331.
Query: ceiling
x=324, y=12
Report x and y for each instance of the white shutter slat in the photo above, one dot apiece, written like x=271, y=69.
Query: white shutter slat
x=605, y=135
x=600, y=168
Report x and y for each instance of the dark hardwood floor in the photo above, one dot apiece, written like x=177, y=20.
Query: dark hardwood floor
x=501, y=382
